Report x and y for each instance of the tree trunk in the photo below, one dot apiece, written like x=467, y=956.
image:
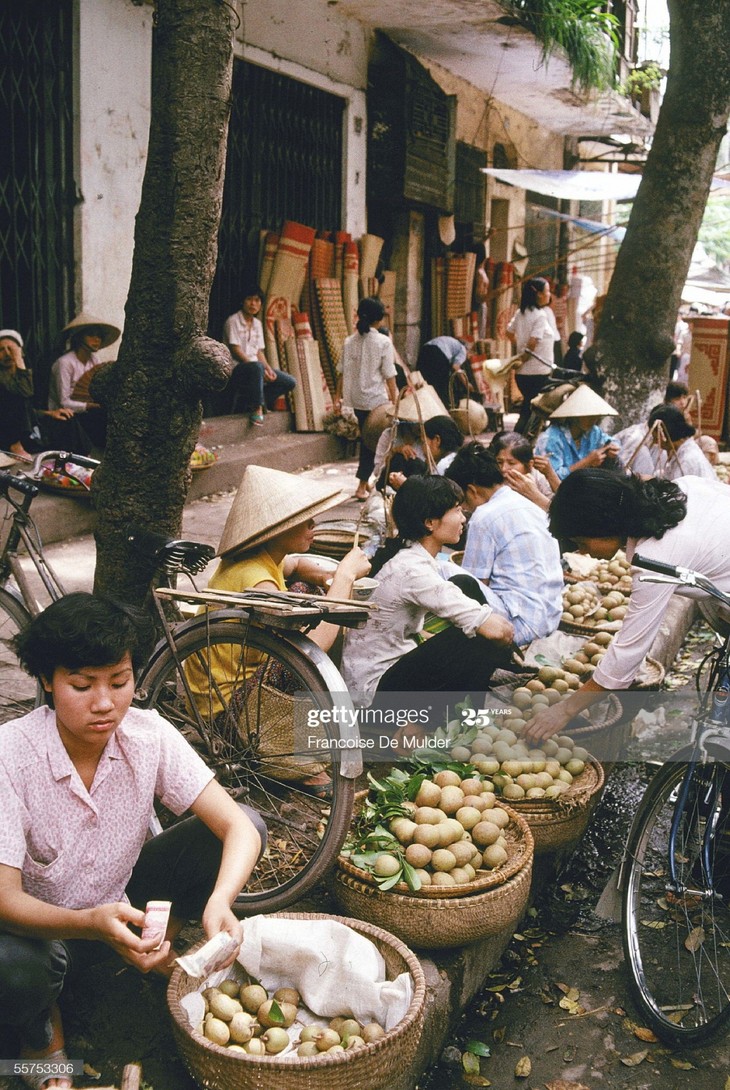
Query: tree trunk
x=634, y=339
x=153, y=392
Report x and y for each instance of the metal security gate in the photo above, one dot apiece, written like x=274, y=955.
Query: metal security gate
x=37, y=190
x=284, y=162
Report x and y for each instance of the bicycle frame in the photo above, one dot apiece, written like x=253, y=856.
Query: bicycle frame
x=709, y=727
x=24, y=530
x=350, y=757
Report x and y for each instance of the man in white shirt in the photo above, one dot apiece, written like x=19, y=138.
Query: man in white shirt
x=244, y=335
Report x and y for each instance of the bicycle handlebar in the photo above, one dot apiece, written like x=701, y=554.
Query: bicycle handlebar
x=20, y=484
x=657, y=566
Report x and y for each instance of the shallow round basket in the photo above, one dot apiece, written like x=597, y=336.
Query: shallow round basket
x=650, y=677
x=335, y=539
x=519, y=851
x=557, y=824
x=589, y=630
x=368, y=1068
x=603, y=732
x=437, y=923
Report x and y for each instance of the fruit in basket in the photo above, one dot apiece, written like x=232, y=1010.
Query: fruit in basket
x=240, y=1029
x=429, y=794
x=385, y=866
x=287, y=995
x=372, y=1032
x=349, y=1028
x=418, y=855
x=275, y=1040
x=354, y=1042
x=307, y=1048
x=255, y=1047
x=229, y=987
x=216, y=1030
x=327, y=1039
x=251, y=997
x=273, y=1014
x=224, y=1007
x=404, y=829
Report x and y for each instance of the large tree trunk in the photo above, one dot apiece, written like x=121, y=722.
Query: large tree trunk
x=153, y=392
x=634, y=339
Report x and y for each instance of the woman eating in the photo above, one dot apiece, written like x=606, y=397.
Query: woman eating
x=684, y=523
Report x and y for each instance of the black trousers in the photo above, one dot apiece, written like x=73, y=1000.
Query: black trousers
x=180, y=865
x=529, y=386
x=449, y=661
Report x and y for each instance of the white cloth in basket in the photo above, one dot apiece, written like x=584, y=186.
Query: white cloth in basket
x=336, y=970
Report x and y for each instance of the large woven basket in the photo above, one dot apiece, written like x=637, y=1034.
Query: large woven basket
x=430, y=923
x=603, y=731
x=558, y=824
x=519, y=851
x=368, y=1068
x=650, y=677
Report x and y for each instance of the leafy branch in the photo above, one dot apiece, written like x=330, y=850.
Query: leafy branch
x=586, y=35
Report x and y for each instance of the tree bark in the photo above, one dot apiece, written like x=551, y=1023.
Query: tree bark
x=634, y=338
x=153, y=392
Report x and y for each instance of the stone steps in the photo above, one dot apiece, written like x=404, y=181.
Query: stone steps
x=237, y=443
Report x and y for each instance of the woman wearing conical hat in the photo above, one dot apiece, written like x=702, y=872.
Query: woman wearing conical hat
x=71, y=372
x=269, y=526
x=574, y=438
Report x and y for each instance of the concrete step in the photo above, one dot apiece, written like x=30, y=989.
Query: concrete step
x=237, y=444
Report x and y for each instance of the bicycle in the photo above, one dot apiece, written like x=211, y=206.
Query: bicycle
x=266, y=745
x=675, y=872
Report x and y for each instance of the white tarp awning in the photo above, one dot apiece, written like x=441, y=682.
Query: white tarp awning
x=571, y=185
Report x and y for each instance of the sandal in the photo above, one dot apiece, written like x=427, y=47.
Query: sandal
x=321, y=791
x=40, y=1080
x=257, y=419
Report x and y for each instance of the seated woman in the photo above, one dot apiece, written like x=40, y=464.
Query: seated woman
x=531, y=475
x=25, y=430
x=383, y=656
x=574, y=439
x=681, y=456
x=443, y=439
x=269, y=526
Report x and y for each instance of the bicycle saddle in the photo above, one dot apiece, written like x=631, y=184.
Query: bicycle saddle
x=169, y=554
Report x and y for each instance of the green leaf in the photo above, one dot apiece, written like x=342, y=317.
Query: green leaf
x=478, y=1048
x=276, y=1014
x=393, y=880
x=413, y=880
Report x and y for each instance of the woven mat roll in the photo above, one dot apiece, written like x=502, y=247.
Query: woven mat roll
x=321, y=259
x=271, y=244
x=308, y=396
x=370, y=247
x=290, y=264
x=332, y=315
x=350, y=280
x=456, y=286
x=276, y=308
x=284, y=331
x=341, y=240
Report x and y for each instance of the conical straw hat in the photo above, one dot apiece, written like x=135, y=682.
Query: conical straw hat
x=583, y=402
x=268, y=502
x=110, y=333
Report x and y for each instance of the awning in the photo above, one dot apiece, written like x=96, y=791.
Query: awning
x=582, y=185
x=593, y=227
x=571, y=185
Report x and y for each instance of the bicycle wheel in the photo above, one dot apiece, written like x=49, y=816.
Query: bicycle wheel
x=245, y=730
x=19, y=693
x=677, y=942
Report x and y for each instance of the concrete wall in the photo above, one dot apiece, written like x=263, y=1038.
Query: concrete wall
x=305, y=39
x=113, y=52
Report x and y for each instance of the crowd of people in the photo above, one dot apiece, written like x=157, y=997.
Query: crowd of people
x=87, y=766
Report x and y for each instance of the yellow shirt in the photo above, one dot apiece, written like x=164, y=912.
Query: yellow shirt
x=211, y=687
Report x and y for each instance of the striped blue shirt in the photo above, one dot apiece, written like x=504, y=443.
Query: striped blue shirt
x=509, y=547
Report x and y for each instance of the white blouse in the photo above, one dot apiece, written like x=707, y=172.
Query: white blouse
x=410, y=586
